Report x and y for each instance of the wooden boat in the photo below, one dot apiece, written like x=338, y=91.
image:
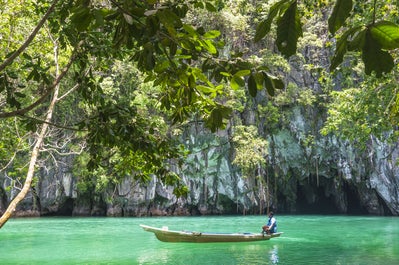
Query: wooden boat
x=166, y=235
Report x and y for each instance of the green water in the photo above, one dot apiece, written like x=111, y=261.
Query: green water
x=306, y=240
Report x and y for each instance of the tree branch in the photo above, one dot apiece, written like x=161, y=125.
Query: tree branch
x=21, y=112
x=10, y=59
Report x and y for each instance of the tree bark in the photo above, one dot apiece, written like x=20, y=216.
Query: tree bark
x=31, y=170
x=35, y=152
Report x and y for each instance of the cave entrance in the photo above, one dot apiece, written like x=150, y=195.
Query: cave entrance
x=65, y=209
x=3, y=199
x=312, y=200
x=354, y=206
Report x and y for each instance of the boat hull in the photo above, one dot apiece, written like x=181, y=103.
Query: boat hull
x=166, y=235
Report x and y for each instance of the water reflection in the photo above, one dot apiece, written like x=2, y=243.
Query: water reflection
x=212, y=253
x=273, y=254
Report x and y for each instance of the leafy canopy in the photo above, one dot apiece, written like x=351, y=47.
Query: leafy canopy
x=375, y=39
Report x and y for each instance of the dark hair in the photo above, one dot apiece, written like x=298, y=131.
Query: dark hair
x=271, y=213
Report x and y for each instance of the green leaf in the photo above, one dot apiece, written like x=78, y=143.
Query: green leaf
x=172, y=48
x=191, y=81
x=148, y=56
x=262, y=29
x=277, y=82
x=375, y=59
x=358, y=39
x=170, y=20
x=341, y=48
x=152, y=25
x=186, y=44
x=99, y=15
x=340, y=13
x=198, y=4
x=190, y=30
x=236, y=82
x=13, y=102
x=242, y=73
x=252, y=87
x=226, y=74
x=210, y=7
x=289, y=29
x=268, y=84
x=264, y=26
x=207, y=44
x=206, y=89
x=212, y=34
x=81, y=18
x=259, y=80
x=386, y=34
x=237, y=79
x=216, y=117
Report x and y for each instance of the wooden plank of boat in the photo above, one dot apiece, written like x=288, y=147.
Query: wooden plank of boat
x=166, y=235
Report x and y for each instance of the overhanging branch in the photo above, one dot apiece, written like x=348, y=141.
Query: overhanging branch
x=10, y=59
x=21, y=112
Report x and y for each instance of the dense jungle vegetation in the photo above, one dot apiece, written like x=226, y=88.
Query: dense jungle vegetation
x=115, y=83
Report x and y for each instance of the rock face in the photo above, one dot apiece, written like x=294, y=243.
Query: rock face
x=331, y=176
x=328, y=176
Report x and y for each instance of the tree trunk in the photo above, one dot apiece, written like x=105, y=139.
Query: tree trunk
x=35, y=152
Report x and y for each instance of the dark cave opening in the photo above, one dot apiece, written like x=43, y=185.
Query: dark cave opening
x=312, y=200
x=65, y=209
x=354, y=206
x=3, y=199
x=386, y=210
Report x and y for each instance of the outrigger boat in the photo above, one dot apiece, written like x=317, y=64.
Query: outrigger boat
x=166, y=235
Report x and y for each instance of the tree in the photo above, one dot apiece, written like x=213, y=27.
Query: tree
x=180, y=59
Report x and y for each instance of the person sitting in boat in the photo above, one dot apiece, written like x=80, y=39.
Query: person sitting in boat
x=271, y=226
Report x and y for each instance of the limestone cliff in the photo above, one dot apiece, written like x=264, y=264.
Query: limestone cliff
x=329, y=176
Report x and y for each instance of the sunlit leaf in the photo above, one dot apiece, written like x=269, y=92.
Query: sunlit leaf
x=242, y=73
x=386, y=34
x=236, y=82
x=206, y=89
x=212, y=34
x=207, y=44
